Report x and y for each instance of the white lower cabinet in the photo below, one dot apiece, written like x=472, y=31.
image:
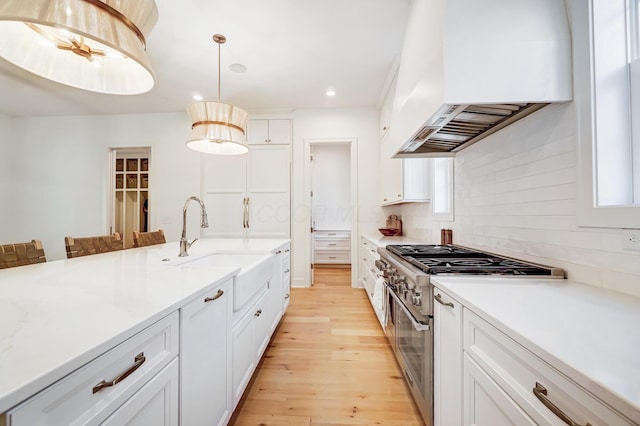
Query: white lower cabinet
x=447, y=367
x=541, y=391
x=155, y=404
x=94, y=392
x=482, y=376
x=280, y=285
x=206, y=358
x=251, y=334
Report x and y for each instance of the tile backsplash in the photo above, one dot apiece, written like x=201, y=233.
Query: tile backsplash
x=515, y=195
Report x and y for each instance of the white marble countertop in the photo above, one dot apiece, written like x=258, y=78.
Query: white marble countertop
x=382, y=241
x=57, y=316
x=590, y=334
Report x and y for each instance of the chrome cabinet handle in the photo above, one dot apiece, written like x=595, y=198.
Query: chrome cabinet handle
x=286, y=296
x=438, y=298
x=287, y=251
x=331, y=244
x=541, y=393
x=139, y=360
x=217, y=296
x=279, y=251
x=286, y=271
x=247, y=207
x=258, y=312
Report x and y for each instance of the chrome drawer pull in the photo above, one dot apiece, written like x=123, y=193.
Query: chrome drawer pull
x=258, y=312
x=139, y=360
x=286, y=271
x=217, y=296
x=286, y=296
x=438, y=298
x=541, y=393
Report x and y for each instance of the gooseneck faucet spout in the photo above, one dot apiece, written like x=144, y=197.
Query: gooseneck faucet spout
x=184, y=244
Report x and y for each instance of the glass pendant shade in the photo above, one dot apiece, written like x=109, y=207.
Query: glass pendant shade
x=217, y=128
x=95, y=45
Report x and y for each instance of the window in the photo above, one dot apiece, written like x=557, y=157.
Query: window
x=607, y=94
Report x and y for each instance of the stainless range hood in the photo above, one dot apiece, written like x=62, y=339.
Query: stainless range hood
x=491, y=63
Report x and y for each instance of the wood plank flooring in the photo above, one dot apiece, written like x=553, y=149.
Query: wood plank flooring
x=328, y=364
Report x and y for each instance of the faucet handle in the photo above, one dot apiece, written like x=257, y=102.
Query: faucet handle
x=189, y=244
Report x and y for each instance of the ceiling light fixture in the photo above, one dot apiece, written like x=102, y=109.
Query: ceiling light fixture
x=61, y=40
x=331, y=92
x=217, y=127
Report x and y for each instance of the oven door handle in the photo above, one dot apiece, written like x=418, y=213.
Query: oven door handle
x=416, y=324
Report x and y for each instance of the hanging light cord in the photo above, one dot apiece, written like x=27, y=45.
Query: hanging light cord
x=220, y=39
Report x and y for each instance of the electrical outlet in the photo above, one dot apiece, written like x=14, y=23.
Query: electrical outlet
x=631, y=239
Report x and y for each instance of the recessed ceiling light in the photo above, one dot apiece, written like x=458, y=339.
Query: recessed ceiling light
x=197, y=97
x=238, y=68
x=331, y=92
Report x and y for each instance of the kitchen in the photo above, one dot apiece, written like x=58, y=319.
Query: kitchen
x=516, y=192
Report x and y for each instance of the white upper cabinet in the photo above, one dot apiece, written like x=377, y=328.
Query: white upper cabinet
x=402, y=180
x=386, y=108
x=269, y=132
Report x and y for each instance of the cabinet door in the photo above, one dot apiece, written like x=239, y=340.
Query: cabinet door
x=257, y=132
x=485, y=403
x=268, y=189
x=279, y=132
x=155, y=404
x=244, y=360
x=447, y=348
x=224, y=187
x=286, y=277
x=390, y=175
x=261, y=327
x=206, y=358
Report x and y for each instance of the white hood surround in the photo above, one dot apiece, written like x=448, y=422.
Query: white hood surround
x=471, y=67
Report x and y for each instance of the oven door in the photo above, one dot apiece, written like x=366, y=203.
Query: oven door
x=390, y=326
x=414, y=342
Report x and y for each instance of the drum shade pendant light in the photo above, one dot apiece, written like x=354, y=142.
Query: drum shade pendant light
x=95, y=45
x=217, y=127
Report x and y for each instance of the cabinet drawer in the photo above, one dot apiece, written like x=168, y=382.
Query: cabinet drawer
x=516, y=370
x=76, y=399
x=332, y=257
x=332, y=244
x=334, y=235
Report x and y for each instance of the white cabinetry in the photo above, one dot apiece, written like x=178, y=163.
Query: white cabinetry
x=332, y=247
x=386, y=108
x=402, y=180
x=206, y=358
x=280, y=285
x=95, y=391
x=269, y=132
x=369, y=275
x=447, y=360
x=251, y=334
x=520, y=385
x=248, y=195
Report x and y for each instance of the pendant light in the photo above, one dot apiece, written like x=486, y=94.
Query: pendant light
x=217, y=127
x=95, y=45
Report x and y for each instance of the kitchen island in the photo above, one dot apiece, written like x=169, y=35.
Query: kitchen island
x=575, y=344
x=57, y=317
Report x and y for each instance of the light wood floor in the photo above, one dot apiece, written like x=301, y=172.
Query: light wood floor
x=328, y=364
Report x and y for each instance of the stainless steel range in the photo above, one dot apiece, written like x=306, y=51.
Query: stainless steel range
x=406, y=270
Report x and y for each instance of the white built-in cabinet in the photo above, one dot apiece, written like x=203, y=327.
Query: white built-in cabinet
x=249, y=195
x=205, y=358
x=403, y=180
x=482, y=376
x=386, y=108
x=369, y=274
x=269, y=132
x=332, y=247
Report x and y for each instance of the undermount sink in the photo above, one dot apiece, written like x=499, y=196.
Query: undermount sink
x=256, y=269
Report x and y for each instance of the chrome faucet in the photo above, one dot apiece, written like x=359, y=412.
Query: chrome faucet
x=184, y=244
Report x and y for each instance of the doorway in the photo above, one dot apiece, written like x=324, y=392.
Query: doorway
x=331, y=177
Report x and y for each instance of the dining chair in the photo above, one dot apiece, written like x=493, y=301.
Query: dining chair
x=85, y=246
x=143, y=239
x=20, y=254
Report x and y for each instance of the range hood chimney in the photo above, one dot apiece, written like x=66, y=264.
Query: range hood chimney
x=491, y=63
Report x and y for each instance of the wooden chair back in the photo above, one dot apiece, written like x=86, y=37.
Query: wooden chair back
x=85, y=246
x=143, y=239
x=21, y=254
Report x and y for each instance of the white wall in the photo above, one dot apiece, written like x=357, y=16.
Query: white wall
x=516, y=195
x=358, y=123
x=61, y=168
x=7, y=187
x=331, y=187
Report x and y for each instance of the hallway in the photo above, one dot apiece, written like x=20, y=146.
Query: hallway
x=328, y=364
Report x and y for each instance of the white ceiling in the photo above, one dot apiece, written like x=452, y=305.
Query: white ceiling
x=293, y=50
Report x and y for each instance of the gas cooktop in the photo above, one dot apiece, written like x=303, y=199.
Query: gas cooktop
x=450, y=259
